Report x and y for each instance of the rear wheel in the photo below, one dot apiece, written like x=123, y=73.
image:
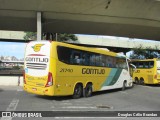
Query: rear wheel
x=88, y=90
x=77, y=91
x=141, y=81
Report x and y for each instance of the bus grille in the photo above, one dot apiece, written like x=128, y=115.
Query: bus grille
x=36, y=66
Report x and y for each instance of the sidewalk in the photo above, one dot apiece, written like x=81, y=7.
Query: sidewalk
x=14, y=88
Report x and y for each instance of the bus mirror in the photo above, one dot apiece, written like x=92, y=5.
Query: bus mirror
x=133, y=66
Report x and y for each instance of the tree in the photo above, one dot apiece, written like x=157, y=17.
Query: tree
x=60, y=36
x=30, y=36
x=144, y=53
x=66, y=37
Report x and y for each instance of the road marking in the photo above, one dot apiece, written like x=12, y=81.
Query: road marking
x=80, y=107
x=19, y=90
x=12, y=107
x=146, y=86
x=66, y=103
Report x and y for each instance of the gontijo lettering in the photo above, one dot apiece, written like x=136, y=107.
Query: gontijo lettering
x=92, y=71
x=33, y=59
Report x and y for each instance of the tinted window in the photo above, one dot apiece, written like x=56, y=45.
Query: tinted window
x=64, y=54
x=79, y=57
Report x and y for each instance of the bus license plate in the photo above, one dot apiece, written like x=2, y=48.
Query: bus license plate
x=34, y=89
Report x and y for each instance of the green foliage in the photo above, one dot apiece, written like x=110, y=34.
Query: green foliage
x=144, y=53
x=30, y=36
x=65, y=37
x=62, y=37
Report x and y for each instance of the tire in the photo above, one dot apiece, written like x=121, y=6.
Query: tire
x=136, y=81
x=124, y=85
x=132, y=85
x=88, y=90
x=141, y=82
x=78, y=90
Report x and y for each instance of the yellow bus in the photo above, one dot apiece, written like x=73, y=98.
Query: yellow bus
x=58, y=69
x=147, y=71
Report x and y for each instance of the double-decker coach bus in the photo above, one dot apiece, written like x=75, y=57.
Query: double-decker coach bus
x=58, y=69
x=147, y=71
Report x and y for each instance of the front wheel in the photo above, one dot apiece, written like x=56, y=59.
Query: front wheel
x=77, y=91
x=124, y=85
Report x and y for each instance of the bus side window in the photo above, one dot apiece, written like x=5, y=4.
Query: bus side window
x=146, y=64
x=84, y=60
x=108, y=61
x=87, y=61
x=140, y=65
x=103, y=60
x=151, y=64
x=77, y=58
x=92, y=60
x=97, y=58
x=64, y=56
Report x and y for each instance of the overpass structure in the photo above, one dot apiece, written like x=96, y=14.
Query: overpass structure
x=125, y=18
x=118, y=42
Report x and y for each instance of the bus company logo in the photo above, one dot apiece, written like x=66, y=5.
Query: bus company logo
x=37, y=47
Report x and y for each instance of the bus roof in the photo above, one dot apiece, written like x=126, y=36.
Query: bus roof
x=89, y=49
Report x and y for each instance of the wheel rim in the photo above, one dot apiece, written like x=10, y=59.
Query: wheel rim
x=136, y=81
x=124, y=85
x=88, y=90
x=77, y=91
x=142, y=82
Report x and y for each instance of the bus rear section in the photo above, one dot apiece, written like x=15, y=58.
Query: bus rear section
x=37, y=76
x=157, y=76
x=147, y=71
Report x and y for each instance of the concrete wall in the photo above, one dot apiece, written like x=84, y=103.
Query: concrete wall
x=10, y=80
x=117, y=41
x=11, y=34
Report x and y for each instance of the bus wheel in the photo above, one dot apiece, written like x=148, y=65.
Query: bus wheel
x=88, y=90
x=141, y=81
x=77, y=91
x=124, y=85
x=136, y=81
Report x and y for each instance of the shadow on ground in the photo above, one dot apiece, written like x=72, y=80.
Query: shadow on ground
x=63, y=98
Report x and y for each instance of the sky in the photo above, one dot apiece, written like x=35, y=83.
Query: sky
x=12, y=49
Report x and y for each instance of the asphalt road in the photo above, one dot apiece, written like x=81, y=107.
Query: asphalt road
x=139, y=98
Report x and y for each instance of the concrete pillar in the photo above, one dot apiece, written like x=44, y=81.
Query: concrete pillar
x=39, y=26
